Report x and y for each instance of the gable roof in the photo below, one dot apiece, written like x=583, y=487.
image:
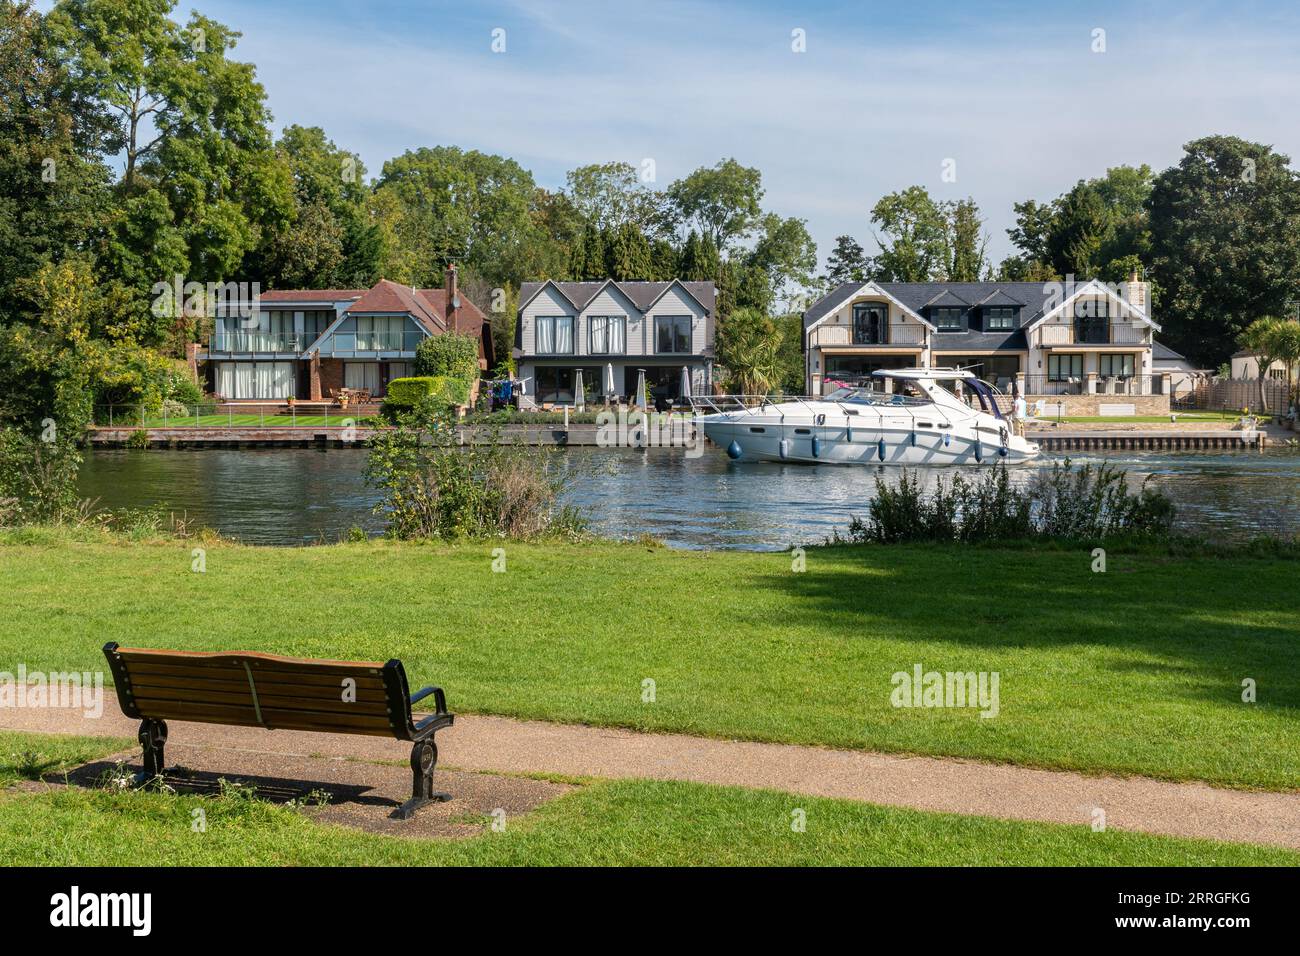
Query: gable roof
x=1163, y=353
x=1036, y=300
x=947, y=298
x=643, y=295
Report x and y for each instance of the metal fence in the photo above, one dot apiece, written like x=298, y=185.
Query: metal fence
x=1130, y=385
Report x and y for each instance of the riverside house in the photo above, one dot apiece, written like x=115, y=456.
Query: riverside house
x=309, y=343
x=1085, y=346
x=627, y=328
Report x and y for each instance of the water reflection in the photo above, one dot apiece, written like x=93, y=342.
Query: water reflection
x=295, y=496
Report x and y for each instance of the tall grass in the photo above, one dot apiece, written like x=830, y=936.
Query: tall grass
x=1067, y=502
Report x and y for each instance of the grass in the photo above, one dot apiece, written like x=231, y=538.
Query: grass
x=1135, y=671
x=280, y=420
x=26, y=756
x=1201, y=416
x=629, y=823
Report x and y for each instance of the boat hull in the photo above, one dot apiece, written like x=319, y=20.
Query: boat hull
x=872, y=445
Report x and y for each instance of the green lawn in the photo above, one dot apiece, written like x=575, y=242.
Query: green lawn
x=1138, y=670
x=1182, y=417
x=336, y=419
x=641, y=823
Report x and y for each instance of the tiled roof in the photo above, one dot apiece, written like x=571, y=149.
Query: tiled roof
x=642, y=294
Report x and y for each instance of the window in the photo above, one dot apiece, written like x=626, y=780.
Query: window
x=245, y=380
x=999, y=318
x=361, y=375
x=314, y=325
x=946, y=319
x=673, y=334
x=554, y=335
x=1093, y=308
x=870, y=324
x=608, y=334
x=1115, y=366
x=557, y=385
x=1062, y=368
x=381, y=333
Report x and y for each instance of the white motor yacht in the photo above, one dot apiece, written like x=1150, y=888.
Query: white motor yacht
x=920, y=423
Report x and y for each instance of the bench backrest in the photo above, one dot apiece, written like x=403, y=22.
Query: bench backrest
x=263, y=690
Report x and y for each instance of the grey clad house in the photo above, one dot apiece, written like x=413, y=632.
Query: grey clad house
x=588, y=330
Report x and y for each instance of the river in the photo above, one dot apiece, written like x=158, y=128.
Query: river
x=286, y=496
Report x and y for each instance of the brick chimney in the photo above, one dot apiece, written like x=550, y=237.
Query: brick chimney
x=453, y=297
x=1135, y=292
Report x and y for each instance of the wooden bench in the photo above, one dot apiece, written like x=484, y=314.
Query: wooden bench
x=277, y=693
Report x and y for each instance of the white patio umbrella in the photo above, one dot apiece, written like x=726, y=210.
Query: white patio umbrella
x=610, y=391
x=579, y=400
x=686, y=384
x=640, y=389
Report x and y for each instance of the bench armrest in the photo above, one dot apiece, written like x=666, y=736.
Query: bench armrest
x=440, y=699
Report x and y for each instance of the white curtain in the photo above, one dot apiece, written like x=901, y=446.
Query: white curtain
x=617, y=335
x=564, y=335
x=249, y=380
x=361, y=375
x=599, y=333
x=545, y=335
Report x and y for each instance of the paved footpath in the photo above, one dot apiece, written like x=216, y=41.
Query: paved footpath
x=497, y=744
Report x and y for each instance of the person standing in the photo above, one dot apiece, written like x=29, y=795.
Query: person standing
x=1019, y=412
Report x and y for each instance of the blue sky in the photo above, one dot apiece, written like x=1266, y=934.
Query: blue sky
x=883, y=95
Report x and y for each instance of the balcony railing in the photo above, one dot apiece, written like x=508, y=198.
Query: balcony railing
x=832, y=335
x=253, y=340
x=404, y=341
x=1093, y=384
x=1094, y=333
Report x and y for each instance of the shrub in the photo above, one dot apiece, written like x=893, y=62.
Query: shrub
x=451, y=354
x=38, y=480
x=1064, y=503
x=431, y=488
x=404, y=394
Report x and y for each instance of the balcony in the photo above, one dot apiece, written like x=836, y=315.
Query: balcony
x=1094, y=333
x=353, y=342
x=843, y=336
x=254, y=340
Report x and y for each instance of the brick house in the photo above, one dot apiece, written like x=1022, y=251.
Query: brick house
x=308, y=343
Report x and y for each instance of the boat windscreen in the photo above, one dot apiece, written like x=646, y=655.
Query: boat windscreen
x=985, y=394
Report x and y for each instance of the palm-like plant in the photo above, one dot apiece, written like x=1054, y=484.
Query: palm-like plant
x=1286, y=343
x=1263, y=337
x=749, y=347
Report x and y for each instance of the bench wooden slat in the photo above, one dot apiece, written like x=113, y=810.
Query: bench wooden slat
x=144, y=653
x=371, y=703
x=235, y=671
x=237, y=680
x=271, y=716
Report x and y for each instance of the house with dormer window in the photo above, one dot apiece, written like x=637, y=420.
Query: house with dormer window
x=310, y=343
x=603, y=336
x=1072, y=342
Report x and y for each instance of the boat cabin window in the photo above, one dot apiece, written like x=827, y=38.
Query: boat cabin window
x=755, y=428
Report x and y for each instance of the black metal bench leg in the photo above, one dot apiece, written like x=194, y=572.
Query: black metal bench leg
x=153, y=738
x=424, y=758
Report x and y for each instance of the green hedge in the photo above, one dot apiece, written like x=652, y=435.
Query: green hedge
x=404, y=393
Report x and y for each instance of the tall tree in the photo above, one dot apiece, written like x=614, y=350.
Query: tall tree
x=915, y=243
x=784, y=254
x=612, y=195
x=721, y=202
x=627, y=253
x=848, y=262
x=1225, y=237
x=966, y=241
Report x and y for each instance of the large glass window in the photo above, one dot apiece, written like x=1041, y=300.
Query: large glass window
x=870, y=323
x=249, y=380
x=608, y=334
x=1063, y=368
x=1115, y=366
x=946, y=319
x=999, y=318
x=361, y=375
x=381, y=333
x=554, y=335
x=557, y=385
x=314, y=324
x=673, y=334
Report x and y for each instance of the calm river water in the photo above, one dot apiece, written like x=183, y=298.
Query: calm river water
x=295, y=496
